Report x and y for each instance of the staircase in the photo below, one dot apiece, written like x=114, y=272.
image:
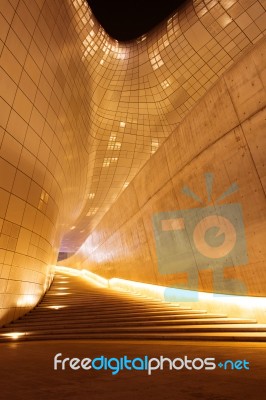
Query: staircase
x=76, y=309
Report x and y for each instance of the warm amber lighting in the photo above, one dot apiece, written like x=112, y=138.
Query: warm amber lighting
x=93, y=278
x=56, y=307
x=143, y=289
x=85, y=117
x=27, y=301
x=222, y=302
x=90, y=276
x=155, y=291
x=14, y=335
x=56, y=294
x=61, y=294
x=69, y=271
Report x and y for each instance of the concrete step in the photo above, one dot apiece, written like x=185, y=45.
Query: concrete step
x=107, y=305
x=90, y=312
x=106, y=324
x=101, y=299
x=85, y=312
x=202, y=336
x=152, y=329
x=122, y=310
x=87, y=308
x=118, y=317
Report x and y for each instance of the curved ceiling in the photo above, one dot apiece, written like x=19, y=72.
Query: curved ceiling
x=136, y=93
x=127, y=20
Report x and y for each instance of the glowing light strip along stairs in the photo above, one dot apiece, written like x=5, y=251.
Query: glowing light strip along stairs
x=76, y=309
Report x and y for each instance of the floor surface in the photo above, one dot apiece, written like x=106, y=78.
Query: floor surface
x=27, y=372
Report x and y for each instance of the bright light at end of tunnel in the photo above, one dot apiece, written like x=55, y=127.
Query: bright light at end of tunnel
x=56, y=307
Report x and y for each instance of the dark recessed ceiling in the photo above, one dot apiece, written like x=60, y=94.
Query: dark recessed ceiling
x=129, y=19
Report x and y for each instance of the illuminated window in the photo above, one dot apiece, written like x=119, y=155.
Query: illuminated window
x=122, y=124
x=44, y=196
x=154, y=145
x=107, y=161
x=113, y=145
x=228, y=3
x=224, y=20
x=76, y=4
x=141, y=38
x=92, y=211
x=91, y=195
x=211, y=4
x=80, y=13
x=163, y=43
x=202, y=12
x=89, y=43
x=156, y=59
x=165, y=84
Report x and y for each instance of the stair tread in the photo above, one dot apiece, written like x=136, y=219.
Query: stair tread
x=155, y=322
x=221, y=327
x=86, y=311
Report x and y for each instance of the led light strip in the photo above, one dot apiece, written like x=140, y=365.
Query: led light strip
x=158, y=292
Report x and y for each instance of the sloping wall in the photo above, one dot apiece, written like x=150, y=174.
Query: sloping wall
x=224, y=136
